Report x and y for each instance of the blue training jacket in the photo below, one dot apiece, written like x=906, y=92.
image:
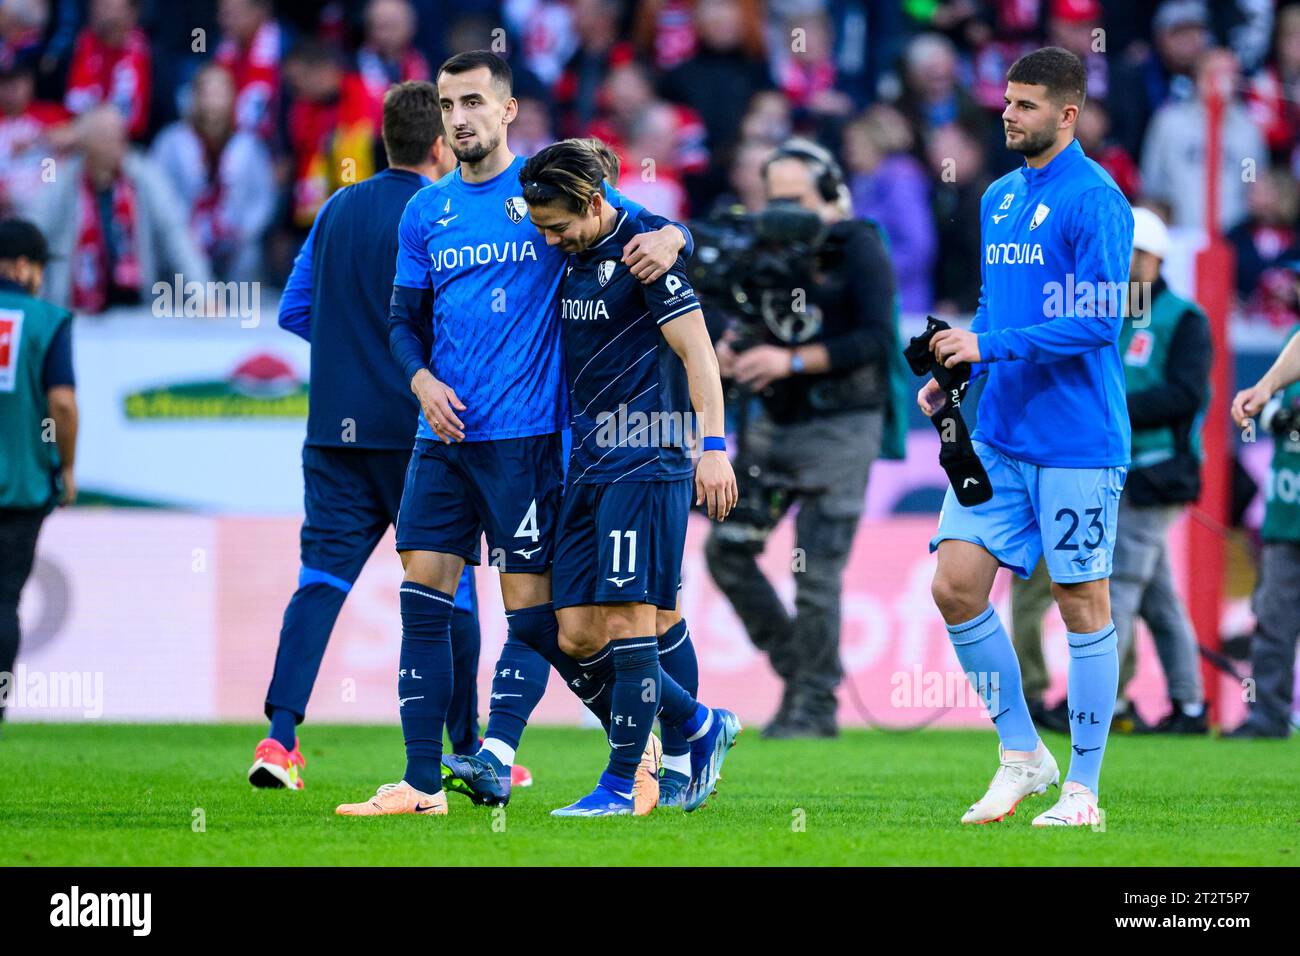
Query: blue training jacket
x=1056, y=244
x=337, y=299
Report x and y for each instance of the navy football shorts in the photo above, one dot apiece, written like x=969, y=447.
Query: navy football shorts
x=351, y=496
x=621, y=543
x=508, y=489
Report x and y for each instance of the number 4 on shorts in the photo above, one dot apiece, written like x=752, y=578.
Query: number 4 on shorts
x=528, y=529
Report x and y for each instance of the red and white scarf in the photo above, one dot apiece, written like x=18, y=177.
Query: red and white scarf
x=90, y=278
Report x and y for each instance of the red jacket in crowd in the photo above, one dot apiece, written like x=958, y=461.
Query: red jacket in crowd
x=118, y=75
x=256, y=69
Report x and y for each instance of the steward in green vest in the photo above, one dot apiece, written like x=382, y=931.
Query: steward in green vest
x=1166, y=355
x=38, y=421
x=31, y=468
x=1276, y=601
x=1282, y=495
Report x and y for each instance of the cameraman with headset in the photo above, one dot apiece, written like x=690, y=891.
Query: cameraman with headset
x=816, y=357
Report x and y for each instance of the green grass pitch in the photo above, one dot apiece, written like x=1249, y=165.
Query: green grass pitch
x=136, y=795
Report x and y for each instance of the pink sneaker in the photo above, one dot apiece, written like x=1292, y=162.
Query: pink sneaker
x=275, y=767
x=398, y=797
x=520, y=776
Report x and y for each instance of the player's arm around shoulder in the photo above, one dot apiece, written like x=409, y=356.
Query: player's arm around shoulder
x=657, y=247
x=649, y=255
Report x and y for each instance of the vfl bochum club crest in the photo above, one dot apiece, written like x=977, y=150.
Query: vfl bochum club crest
x=516, y=208
x=1039, y=215
x=604, y=271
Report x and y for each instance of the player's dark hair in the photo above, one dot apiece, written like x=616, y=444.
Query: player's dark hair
x=566, y=173
x=1055, y=68
x=608, y=158
x=502, y=76
x=412, y=121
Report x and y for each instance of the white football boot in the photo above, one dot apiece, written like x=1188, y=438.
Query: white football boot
x=1076, y=808
x=1015, y=780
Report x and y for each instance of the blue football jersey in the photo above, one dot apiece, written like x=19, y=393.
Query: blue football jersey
x=631, y=408
x=495, y=283
x=1056, y=245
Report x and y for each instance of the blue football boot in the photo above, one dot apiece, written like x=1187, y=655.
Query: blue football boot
x=707, y=755
x=601, y=802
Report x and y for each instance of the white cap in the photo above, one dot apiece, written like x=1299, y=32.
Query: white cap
x=1149, y=233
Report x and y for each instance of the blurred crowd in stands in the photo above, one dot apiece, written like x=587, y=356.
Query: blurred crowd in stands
x=148, y=138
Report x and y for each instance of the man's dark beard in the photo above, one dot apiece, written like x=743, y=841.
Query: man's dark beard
x=475, y=153
x=1031, y=145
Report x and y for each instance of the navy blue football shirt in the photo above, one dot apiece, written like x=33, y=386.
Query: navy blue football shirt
x=628, y=396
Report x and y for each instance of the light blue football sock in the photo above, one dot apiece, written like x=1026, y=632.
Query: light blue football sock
x=990, y=663
x=1093, y=683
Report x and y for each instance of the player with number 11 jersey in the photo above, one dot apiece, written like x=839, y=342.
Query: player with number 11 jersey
x=641, y=372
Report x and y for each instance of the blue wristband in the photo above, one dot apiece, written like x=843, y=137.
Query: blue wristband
x=714, y=443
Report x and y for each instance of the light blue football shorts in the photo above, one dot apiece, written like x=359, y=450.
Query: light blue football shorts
x=1067, y=514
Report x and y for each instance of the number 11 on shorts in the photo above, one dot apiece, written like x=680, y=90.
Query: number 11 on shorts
x=618, y=537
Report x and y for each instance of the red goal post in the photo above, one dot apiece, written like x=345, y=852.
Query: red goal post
x=1215, y=276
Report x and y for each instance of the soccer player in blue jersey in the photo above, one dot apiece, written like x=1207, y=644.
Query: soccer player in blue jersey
x=638, y=359
x=1052, y=433
x=474, y=326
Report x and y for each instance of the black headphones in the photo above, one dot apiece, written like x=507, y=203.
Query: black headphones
x=829, y=176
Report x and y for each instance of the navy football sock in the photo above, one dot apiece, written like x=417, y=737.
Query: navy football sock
x=519, y=680
x=538, y=627
x=540, y=630
x=517, y=685
x=595, y=683
x=635, y=700
x=677, y=658
x=462, y=712
x=681, y=710
x=284, y=727
x=424, y=681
